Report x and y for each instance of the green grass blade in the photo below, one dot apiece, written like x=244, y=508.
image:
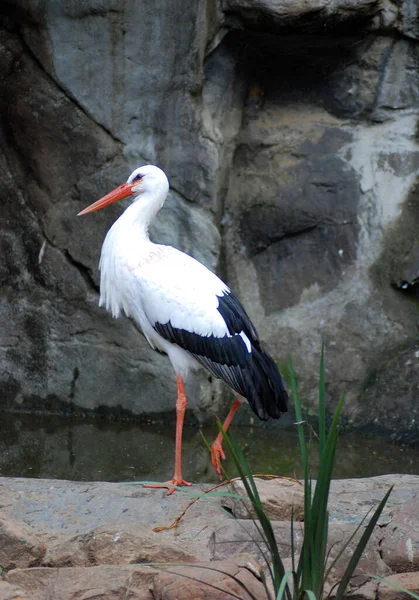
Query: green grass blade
x=322, y=407
x=246, y=476
x=251, y=495
x=312, y=569
x=320, y=552
x=305, y=570
x=342, y=550
x=361, y=547
x=395, y=585
x=313, y=558
x=298, y=414
x=321, y=493
x=292, y=541
x=310, y=595
x=283, y=585
x=243, y=469
x=320, y=515
x=242, y=465
x=263, y=541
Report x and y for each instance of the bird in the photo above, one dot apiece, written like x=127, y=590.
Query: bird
x=183, y=309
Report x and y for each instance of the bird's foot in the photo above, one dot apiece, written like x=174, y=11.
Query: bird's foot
x=178, y=482
x=217, y=454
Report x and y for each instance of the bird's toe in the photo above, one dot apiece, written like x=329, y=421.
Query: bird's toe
x=217, y=454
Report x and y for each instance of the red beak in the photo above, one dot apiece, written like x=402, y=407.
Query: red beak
x=118, y=193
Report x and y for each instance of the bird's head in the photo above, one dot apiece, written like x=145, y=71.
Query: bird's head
x=148, y=180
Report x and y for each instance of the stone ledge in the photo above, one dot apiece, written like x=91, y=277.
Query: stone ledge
x=54, y=530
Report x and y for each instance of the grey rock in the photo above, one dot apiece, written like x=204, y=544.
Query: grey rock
x=318, y=16
x=104, y=581
x=276, y=261
x=395, y=388
x=289, y=134
x=387, y=589
x=277, y=16
x=282, y=225
x=190, y=230
x=346, y=494
x=116, y=76
x=12, y=592
x=281, y=499
x=400, y=550
x=60, y=352
x=212, y=581
x=19, y=547
x=85, y=524
x=56, y=511
x=242, y=535
x=409, y=13
x=121, y=544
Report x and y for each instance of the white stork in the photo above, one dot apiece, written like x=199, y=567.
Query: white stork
x=183, y=309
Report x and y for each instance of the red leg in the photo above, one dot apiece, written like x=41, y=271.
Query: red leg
x=180, y=415
x=217, y=452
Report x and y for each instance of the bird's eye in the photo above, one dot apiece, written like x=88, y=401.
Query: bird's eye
x=138, y=177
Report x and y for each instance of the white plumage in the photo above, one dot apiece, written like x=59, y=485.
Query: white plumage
x=168, y=286
x=183, y=308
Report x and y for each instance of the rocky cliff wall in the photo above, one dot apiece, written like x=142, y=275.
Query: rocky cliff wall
x=289, y=132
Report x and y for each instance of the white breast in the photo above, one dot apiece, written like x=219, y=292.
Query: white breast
x=153, y=284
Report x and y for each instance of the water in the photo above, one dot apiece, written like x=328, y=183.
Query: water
x=87, y=450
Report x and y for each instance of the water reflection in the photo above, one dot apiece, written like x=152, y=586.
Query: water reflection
x=66, y=448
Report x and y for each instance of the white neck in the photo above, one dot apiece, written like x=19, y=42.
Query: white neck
x=141, y=213
x=127, y=243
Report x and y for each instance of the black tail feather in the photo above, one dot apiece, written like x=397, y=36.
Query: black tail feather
x=265, y=389
x=258, y=380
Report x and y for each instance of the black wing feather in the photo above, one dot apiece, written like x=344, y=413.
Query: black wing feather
x=253, y=375
x=229, y=351
x=236, y=318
